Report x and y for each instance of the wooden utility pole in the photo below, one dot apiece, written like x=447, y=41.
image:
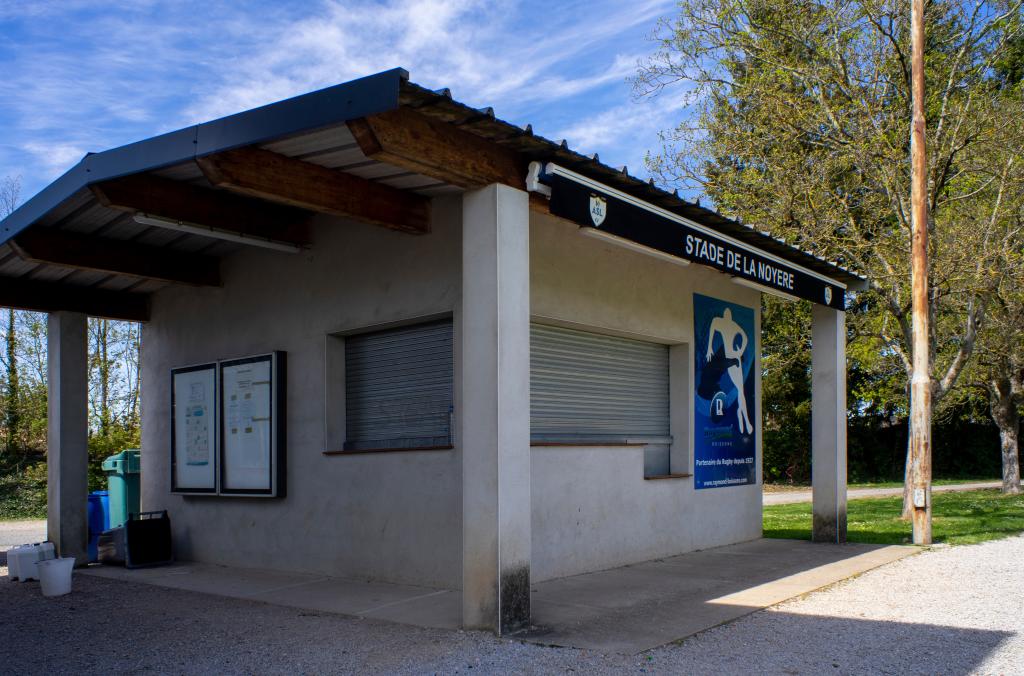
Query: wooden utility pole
x=921, y=383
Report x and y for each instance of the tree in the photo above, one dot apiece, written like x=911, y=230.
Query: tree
x=1000, y=371
x=10, y=189
x=800, y=124
x=999, y=368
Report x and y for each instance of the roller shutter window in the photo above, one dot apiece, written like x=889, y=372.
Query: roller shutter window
x=590, y=387
x=398, y=387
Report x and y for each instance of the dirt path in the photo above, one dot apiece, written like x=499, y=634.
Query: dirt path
x=791, y=497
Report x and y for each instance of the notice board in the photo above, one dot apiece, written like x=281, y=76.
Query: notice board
x=725, y=410
x=228, y=427
x=251, y=425
x=194, y=429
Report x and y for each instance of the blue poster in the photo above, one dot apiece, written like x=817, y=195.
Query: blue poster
x=725, y=346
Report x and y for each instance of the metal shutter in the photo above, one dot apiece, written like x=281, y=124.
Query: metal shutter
x=586, y=386
x=398, y=387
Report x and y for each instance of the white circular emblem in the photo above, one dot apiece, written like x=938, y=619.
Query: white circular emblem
x=828, y=295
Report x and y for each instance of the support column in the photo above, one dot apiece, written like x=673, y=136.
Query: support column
x=494, y=422
x=67, y=453
x=828, y=423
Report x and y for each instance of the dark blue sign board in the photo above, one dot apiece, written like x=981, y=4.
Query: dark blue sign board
x=725, y=413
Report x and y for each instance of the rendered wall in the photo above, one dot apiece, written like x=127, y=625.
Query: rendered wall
x=592, y=508
x=391, y=516
x=398, y=516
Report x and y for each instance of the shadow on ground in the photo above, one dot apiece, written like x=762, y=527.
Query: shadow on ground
x=639, y=607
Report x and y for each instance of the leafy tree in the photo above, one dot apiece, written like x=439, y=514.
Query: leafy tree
x=999, y=368
x=801, y=123
x=113, y=387
x=9, y=191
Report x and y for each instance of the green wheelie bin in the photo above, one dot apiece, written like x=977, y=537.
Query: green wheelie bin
x=122, y=472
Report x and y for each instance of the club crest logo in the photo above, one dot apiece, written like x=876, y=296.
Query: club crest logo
x=598, y=209
x=828, y=295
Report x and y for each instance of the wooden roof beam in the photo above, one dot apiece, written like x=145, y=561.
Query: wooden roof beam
x=271, y=176
x=425, y=146
x=82, y=252
x=27, y=294
x=177, y=201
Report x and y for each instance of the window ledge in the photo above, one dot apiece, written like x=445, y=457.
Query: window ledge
x=657, y=477
x=363, y=451
x=584, y=444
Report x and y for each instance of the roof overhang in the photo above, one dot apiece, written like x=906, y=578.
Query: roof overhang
x=123, y=223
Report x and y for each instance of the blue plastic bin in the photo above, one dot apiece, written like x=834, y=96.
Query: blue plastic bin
x=98, y=511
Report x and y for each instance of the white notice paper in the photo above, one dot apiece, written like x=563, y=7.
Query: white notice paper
x=247, y=434
x=195, y=428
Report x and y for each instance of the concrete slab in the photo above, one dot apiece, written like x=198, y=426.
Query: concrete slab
x=405, y=604
x=640, y=607
x=208, y=579
x=345, y=596
x=628, y=609
x=441, y=609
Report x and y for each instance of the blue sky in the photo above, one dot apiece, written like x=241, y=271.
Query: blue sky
x=85, y=76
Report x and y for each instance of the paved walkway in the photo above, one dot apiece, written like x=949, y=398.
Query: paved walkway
x=791, y=497
x=625, y=610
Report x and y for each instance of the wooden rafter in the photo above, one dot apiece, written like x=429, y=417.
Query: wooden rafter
x=179, y=201
x=417, y=143
x=39, y=296
x=271, y=176
x=82, y=252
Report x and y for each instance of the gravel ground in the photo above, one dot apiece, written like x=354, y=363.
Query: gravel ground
x=951, y=610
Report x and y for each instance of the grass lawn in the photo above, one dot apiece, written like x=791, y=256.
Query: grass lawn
x=957, y=518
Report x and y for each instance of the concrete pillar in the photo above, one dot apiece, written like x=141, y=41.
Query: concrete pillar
x=67, y=453
x=494, y=422
x=828, y=423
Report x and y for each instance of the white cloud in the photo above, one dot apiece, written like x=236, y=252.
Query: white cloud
x=54, y=158
x=81, y=76
x=624, y=133
x=499, y=53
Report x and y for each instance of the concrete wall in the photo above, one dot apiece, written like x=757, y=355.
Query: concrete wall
x=592, y=508
x=392, y=516
x=398, y=516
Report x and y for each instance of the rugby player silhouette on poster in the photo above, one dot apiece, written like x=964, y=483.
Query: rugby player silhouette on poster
x=734, y=344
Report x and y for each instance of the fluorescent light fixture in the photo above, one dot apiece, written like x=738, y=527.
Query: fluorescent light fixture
x=762, y=288
x=215, y=233
x=633, y=246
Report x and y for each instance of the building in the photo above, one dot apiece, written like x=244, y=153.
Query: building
x=389, y=335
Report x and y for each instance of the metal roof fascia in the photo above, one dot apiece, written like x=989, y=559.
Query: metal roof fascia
x=73, y=180
x=332, y=105
x=340, y=103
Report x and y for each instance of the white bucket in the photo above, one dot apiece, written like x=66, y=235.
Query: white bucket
x=55, y=576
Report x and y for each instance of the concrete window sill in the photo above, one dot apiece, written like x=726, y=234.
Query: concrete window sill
x=658, y=477
x=585, y=444
x=363, y=451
